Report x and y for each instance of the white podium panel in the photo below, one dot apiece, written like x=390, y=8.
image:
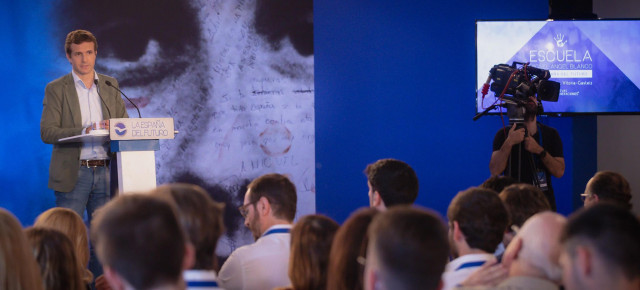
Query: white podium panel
x=136, y=171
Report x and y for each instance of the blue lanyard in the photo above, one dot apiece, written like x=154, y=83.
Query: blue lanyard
x=202, y=284
x=470, y=264
x=276, y=231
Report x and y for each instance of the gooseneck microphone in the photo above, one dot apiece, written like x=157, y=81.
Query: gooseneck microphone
x=95, y=81
x=134, y=104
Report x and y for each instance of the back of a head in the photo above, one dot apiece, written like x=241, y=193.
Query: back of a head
x=140, y=238
x=201, y=218
x=280, y=192
x=612, y=231
x=54, y=253
x=541, y=244
x=394, y=180
x=18, y=269
x=611, y=187
x=311, y=241
x=498, y=182
x=345, y=273
x=408, y=247
x=70, y=223
x=523, y=201
x=481, y=216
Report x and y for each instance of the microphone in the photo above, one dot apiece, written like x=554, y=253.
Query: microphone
x=95, y=81
x=134, y=104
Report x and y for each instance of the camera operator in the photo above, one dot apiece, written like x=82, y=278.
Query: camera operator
x=540, y=144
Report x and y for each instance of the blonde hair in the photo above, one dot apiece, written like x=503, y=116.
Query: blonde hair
x=70, y=223
x=18, y=267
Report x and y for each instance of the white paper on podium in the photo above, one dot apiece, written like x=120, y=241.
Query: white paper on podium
x=94, y=136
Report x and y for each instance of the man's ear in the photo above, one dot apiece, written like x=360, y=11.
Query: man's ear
x=263, y=206
x=457, y=233
x=596, y=198
x=377, y=199
x=584, y=261
x=512, y=252
x=189, y=256
x=115, y=281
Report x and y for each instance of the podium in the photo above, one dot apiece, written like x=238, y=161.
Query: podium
x=134, y=140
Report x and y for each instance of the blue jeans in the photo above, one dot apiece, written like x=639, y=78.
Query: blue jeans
x=90, y=193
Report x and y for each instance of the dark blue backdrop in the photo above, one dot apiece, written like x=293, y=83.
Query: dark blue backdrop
x=396, y=79
x=393, y=79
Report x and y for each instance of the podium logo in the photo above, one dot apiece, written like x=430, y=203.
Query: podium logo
x=120, y=129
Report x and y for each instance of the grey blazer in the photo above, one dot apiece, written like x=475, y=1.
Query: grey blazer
x=61, y=118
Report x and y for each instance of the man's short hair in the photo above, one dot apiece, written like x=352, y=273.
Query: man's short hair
x=201, y=219
x=481, y=216
x=280, y=192
x=612, y=187
x=78, y=37
x=498, y=182
x=411, y=247
x=140, y=238
x=523, y=201
x=612, y=231
x=394, y=180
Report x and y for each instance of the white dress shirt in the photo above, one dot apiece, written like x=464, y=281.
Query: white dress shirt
x=91, y=112
x=459, y=269
x=261, y=265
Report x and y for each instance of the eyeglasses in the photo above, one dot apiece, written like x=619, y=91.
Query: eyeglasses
x=584, y=196
x=244, y=209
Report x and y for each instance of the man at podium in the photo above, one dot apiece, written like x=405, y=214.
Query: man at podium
x=77, y=104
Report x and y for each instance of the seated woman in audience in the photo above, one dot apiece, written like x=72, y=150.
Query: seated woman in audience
x=345, y=272
x=55, y=254
x=19, y=269
x=311, y=239
x=70, y=223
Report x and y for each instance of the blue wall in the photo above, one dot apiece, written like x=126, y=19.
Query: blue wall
x=396, y=79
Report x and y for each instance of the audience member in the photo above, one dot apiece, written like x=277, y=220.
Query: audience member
x=201, y=218
x=269, y=209
x=498, y=182
x=56, y=256
x=407, y=250
x=345, y=273
x=601, y=249
x=18, y=269
x=608, y=186
x=311, y=242
x=477, y=221
x=391, y=182
x=532, y=256
x=521, y=201
x=140, y=243
x=70, y=223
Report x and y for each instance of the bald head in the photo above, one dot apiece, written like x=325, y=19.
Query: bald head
x=536, y=248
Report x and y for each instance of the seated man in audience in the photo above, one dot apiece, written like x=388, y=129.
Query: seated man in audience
x=269, y=209
x=391, y=182
x=140, y=243
x=201, y=218
x=521, y=201
x=407, y=249
x=608, y=186
x=532, y=256
x=601, y=249
x=477, y=221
